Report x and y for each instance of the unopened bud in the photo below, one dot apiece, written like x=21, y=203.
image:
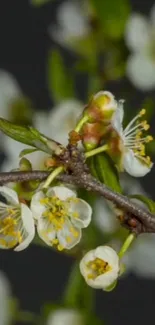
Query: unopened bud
x=24, y=164
x=101, y=107
x=92, y=134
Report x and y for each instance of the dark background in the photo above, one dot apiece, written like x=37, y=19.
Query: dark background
x=38, y=274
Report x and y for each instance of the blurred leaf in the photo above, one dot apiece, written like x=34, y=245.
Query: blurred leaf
x=112, y=15
x=150, y=203
x=30, y=136
x=94, y=84
x=106, y=171
x=21, y=111
x=38, y=3
x=26, y=152
x=60, y=81
x=148, y=104
x=86, y=47
x=78, y=294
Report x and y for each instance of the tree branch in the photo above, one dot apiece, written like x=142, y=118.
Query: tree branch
x=85, y=180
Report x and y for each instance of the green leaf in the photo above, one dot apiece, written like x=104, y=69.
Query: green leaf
x=30, y=136
x=106, y=171
x=112, y=16
x=26, y=152
x=60, y=81
x=78, y=294
x=150, y=203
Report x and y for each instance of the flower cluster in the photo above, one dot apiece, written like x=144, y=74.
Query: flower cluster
x=58, y=214
x=105, y=125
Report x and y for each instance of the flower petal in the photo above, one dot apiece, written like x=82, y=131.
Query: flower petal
x=73, y=22
x=9, y=90
x=112, y=103
x=83, y=210
x=66, y=115
x=105, y=280
x=46, y=231
x=28, y=225
x=36, y=207
x=104, y=216
x=9, y=194
x=118, y=118
x=134, y=166
x=137, y=33
x=131, y=185
x=62, y=192
x=140, y=70
x=65, y=316
x=142, y=256
x=69, y=235
x=13, y=149
x=108, y=255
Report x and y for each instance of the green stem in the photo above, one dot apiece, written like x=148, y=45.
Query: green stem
x=126, y=245
x=81, y=123
x=96, y=151
x=53, y=175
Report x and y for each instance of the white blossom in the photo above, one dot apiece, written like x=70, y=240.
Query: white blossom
x=60, y=216
x=9, y=91
x=55, y=124
x=5, y=293
x=139, y=36
x=132, y=143
x=141, y=257
x=72, y=23
x=16, y=222
x=105, y=216
x=100, y=267
x=65, y=316
x=63, y=119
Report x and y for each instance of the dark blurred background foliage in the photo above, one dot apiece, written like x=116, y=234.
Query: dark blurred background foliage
x=42, y=65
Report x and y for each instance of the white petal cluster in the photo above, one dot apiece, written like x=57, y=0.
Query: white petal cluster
x=60, y=216
x=72, y=23
x=65, y=316
x=16, y=222
x=139, y=36
x=132, y=146
x=105, y=216
x=141, y=258
x=100, y=267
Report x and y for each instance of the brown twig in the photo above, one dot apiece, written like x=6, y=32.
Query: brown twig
x=85, y=180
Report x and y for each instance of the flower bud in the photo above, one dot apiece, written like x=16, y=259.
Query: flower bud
x=91, y=135
x=101, y=107
x=100, y=268
x=25, y=164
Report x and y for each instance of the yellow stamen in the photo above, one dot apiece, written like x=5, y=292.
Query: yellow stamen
x=142, y=112
x=97, y=267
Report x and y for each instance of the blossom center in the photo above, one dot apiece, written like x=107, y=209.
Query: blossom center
x=11, y=230
x=97, y=267
x=57, y=214
x=135, y=139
